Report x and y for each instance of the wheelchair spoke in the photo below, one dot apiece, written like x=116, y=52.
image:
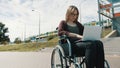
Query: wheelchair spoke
x=57, y=60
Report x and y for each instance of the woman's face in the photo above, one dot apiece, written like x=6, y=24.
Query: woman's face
x=73, y=16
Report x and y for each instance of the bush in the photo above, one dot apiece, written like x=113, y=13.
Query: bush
x=17, y=41
x=50, y=37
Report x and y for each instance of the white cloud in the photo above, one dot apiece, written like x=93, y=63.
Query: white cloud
x=17, y=14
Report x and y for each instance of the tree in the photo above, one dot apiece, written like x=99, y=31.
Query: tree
x=3, y=37
x=17, y=40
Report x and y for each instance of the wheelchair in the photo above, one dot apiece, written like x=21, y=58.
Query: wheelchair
x=62, y=56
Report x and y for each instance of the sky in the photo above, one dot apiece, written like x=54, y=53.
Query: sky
x=22, y=22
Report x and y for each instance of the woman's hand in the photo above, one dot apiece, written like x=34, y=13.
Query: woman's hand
x=75, y=35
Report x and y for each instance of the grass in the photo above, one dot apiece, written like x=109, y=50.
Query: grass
x=106, y=31
x=28, y=47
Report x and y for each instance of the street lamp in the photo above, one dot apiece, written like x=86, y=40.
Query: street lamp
x=80, y=10
x=24, y=32
x=39, y=23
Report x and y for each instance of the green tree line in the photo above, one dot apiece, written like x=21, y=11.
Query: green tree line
x=3, y=37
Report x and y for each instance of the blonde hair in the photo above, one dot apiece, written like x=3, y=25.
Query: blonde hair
x=71, y=10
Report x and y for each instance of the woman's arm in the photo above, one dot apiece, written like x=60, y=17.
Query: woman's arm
x=75, y=35
x=62, y=31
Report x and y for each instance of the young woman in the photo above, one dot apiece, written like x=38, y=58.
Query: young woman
x=92, y=50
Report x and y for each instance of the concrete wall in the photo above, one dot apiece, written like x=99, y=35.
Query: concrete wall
x=116, y=25
x=112, y=34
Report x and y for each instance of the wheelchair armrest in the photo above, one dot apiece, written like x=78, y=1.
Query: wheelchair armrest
x=63, y=37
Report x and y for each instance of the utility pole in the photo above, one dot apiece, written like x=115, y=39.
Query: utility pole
x=81, y=10
x=38, y=25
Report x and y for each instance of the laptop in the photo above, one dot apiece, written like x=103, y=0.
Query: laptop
x=92, y=33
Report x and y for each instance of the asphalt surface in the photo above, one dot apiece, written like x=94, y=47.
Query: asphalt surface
x=41, y=59
x=112, y=46
x=112, y=51
x=24, y=60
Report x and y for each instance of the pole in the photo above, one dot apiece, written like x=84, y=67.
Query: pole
x=99, y=13
x=38, y=25
x=24, y=32
x=80, y=10
x=80, y=14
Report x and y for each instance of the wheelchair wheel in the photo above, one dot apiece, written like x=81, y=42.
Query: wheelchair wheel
x=106, y=65
x=57, y=59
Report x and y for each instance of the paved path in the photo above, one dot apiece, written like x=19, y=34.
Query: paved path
x=112, y=46
x=112, y=51
x=114, y=61
x=24, y=60
x=41, y=59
